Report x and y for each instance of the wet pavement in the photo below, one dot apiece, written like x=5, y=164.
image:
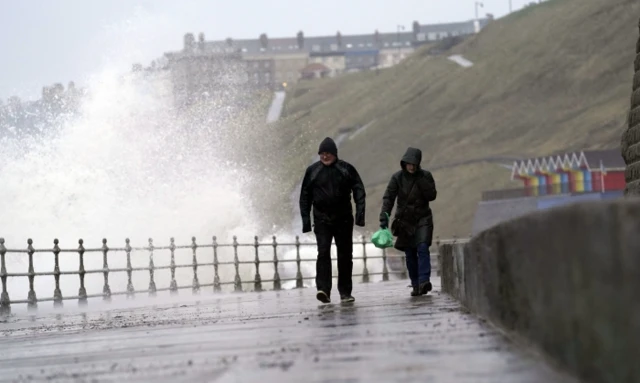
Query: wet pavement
x=286, y=336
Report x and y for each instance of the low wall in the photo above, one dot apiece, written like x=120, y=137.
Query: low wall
x=630, y=145
x=565, y=279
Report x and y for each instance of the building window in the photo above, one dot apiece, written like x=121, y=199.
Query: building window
x=315, y=48
x=266, y=64
x=334, y=47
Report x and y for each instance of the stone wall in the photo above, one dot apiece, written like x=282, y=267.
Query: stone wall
x=566, y=279
x=631, y=138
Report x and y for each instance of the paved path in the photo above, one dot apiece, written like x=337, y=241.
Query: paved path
x=460, y=60
x=287, y=336
x=276, y=107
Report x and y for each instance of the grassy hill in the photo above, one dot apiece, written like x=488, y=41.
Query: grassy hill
x=550, y=78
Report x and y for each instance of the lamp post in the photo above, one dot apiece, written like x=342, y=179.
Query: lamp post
x=480, y=4
x=400, y=27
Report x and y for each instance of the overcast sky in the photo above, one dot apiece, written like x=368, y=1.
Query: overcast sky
x=48, y=41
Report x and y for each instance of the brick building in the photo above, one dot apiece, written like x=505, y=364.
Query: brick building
x=271, y=62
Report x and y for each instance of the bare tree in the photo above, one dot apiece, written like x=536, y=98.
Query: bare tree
x=339, y=39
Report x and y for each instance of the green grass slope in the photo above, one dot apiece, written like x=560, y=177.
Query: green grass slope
x=550, y=78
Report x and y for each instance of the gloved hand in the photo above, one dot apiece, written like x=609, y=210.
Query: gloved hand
x=306, y=225
x=384, y=221
x=360, y=220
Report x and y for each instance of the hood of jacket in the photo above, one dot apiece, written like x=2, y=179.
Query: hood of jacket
x=411, y=156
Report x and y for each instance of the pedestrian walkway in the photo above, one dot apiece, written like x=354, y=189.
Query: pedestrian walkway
x=460, y=60
x=285, y=336
x=275, y=110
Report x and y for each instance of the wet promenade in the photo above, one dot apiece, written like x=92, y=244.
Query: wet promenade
x=286, y=336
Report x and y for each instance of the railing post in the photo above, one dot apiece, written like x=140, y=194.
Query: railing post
x=173, y=287
x=130, y=289
x=403, y=273
x=32, y=303
x=106, y=290
x=82, y=292
x=237, y=283
x=439, y=256
x=216, y=276
x=365, y=271
x=196, y=284
x=299, y=280
x=276, y=276
x=152, y=283
x=5, y=302
x=258, y=280
x=385, y=270
x=57, y=294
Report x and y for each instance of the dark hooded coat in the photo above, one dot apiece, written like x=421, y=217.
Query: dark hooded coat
x=327, y=190
x=413, y=221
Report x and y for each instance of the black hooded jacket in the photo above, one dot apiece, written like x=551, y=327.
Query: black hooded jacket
x=413, y=193
x=328, y=190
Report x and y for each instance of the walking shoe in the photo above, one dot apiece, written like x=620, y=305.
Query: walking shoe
x=415, y=292
x=347, y=299
x=425, y=287
x=323, y=297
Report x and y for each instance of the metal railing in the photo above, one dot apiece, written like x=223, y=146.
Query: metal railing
x=258, y=282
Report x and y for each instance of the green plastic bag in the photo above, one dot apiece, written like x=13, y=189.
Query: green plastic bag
x=383, y=237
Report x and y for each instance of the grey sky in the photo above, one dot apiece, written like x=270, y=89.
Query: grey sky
x=48, y=41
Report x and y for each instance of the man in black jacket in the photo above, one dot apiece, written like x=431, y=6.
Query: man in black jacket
x=327, y=186
x=413, y=223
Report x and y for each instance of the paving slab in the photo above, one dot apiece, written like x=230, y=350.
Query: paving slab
x=385, y=336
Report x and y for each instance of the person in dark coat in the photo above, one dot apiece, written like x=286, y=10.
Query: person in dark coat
x=327, y=187
x=414, y=188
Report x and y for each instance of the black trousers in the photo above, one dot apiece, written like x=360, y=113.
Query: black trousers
x=343, y=234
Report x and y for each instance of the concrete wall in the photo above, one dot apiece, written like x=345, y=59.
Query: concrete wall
x=566, y=279
x=631, y=138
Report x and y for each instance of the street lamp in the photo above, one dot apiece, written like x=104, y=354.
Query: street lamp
x=480, y=4
x=400, y=27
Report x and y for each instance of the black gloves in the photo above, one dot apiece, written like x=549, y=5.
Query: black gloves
x=384, y=221
x=306, y=225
